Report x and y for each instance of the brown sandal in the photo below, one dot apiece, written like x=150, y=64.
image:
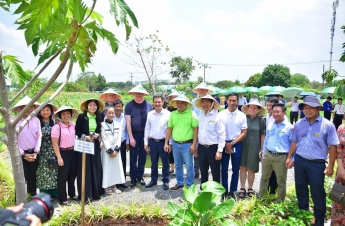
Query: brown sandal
x=242, y=193
x=250, y=192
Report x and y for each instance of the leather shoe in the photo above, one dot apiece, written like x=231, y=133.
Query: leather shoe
x=196, y=175
x=141, y=181
x=176, y=187
x=124, y=185
x=165, y=186
x=151, y=184
x=133, y=183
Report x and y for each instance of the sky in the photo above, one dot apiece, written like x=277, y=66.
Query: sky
x=236, y=38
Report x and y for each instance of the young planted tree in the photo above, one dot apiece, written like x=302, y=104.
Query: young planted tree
x=67, y=30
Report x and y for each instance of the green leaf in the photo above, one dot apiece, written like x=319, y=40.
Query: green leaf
x=50, y=51
x=22, y=7
x=35, y=45
x=14, y=71
x=4, y=6
x=173, y=208
x=223, y=209
x=187, y=215
x=212, y=186
x=128, y=30
x=78, y=9
x=95, y=16
x=190, y=193
x=202, y=202
x=114, y=43
x=178, y=222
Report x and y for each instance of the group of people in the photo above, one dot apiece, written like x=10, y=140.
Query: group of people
x=194, y=134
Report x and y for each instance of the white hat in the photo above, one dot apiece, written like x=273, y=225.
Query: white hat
x=175, y=93
x=109, y=91
x=23, y=102
x=203, y=85
x=198, y=104
x=261, y=111
x=181, y=98
x=138, y=89
x=64, y=108
x=54, y=107
x=101, y=105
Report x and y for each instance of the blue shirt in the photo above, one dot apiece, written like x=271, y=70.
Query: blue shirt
x=138, y=113
x=313, y=139
x=195, y=109
x=327, y=106
x=278, y=137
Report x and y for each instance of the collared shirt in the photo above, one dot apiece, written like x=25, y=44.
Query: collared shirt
x=211, y=131
x=30, y=137
x=327, y=106
x=92, y=122
x=67, y=134
x=123, y=122
x=313, y=139
x=339, y=109
x=183, y=124
x=242, y=101
x=294, y=106
x=156, y=125
x=234, y=123
x=195, y=108
x=278, y=137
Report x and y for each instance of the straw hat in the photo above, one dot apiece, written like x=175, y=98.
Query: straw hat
x=181, y=98
x=138, y=89
x=175, y=93
x=101, y=105
x=55, y=108
x=261, y=111
x=203, y=85
x=109, y=91
x=64, y=108
x=198, y=104
x=23, y=102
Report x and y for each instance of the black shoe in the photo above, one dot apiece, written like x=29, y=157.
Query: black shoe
x=232, y=195
x=124, y=185
x=133, y=183
x=141, y=181
x=151, y=184
x=176, y=187
x=165, y=186
x=196, y=175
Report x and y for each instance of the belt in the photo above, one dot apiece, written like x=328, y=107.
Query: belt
x=29, y=151
x=184, y=142
x=229, y=141
x=277, y=153
x=339, y=114
x=314, y=160
x=67, y=149
x=158, y=140
x=208, y=145
x=294, y=111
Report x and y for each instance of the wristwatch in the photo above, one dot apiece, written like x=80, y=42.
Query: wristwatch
x=233, y=143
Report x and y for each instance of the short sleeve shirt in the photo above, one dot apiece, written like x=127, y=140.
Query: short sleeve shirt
x=183, y=124
x=138, y=113
x=67, y=134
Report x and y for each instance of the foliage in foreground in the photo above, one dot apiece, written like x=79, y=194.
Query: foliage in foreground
x=7, y=197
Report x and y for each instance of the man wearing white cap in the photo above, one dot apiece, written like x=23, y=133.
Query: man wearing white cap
x=109, y=96
x=183, y=128
x=136, y=115
x=211, y=138
x=202, y=89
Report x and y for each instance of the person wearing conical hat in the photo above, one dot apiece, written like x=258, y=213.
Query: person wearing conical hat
x=211, y=138
x=109, y=96
x=63, y=136
x=47, y=176
x=29, y=143
x=202, y=89
x=183, y=128
x=88, y=127
x=252, y=145
x=136, y=115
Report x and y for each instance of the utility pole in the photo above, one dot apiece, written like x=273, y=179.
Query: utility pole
x=204, y=72
x=131, y=79
x=323, y=79
x=335, y=5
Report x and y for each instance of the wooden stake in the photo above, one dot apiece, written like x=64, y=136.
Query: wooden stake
x=83, y=188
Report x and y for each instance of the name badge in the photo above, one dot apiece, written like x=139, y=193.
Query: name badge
x=316, y=134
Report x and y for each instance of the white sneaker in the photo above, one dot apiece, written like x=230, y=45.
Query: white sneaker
x=117, y=191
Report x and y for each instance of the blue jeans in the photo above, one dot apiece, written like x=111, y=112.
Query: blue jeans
x=235, y=163
x=311, y=173
x=182, y=155
x=156, y=150
x=137, y=156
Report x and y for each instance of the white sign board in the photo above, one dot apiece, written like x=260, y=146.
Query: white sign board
x=85, y=147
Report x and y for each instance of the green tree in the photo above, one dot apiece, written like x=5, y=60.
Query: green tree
x=224, y=84
x=75, y=87
x=329, y=75
x=182, y=68
x=253, y=80
x=101, y=82
x=342, y=58
x=316, y=85
x=276, y=75
x=67, y=30
x=299, y=80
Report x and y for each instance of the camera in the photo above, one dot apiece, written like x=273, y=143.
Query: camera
x=40, y=205
x=117, y=148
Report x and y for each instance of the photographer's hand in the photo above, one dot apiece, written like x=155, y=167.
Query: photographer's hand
x=16, y=209
x=35, y=221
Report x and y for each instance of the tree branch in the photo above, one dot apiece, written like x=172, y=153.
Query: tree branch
x=3, y=139
x=91, y=10
x=2, y=130
x=69, y=72
x=3, y=110
x=36, y=76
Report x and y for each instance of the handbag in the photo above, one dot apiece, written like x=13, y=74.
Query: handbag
x=52, y=163
x=337, y=193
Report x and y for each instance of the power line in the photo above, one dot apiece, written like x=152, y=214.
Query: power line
x=259, y=65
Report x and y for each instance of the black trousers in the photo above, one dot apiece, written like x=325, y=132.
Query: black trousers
x=123, y=156
x=273, y=184
x=293, y=116
x=327, y=115
x=30, y=169
x=337, y=120
x=171, y=158
x=207, y=158
x=239, y=107
x=67, y=173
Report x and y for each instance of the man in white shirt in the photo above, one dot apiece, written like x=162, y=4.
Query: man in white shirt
x=254, y=98
x=294, y=110
x=211, y=138
x=155, y=131
x=241, y=101
x=235, y=123
x=338, y=114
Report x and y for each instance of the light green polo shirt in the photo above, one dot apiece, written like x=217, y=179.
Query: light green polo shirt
x=183, y=124
x=92, y=122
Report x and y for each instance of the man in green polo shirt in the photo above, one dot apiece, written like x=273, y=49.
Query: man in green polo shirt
x=183, y=127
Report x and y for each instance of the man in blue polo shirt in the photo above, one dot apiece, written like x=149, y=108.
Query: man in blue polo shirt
x=327, y=108
x=312, y=139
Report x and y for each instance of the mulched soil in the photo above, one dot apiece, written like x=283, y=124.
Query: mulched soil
x=133, y=221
